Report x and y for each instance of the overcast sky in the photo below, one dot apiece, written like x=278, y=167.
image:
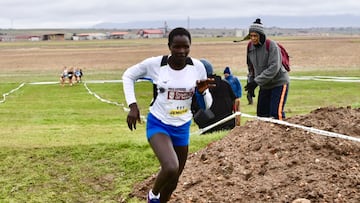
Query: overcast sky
x=19, y=14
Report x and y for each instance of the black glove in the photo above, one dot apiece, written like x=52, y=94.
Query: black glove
x=251, y=93
x=250, y=87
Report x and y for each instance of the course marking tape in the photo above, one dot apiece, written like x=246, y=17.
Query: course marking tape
x=326, y=78
x=200, y=131
x=12, y=91
x=110, y=102
x=42, y=83
x=317, y=78
x=87, y=81
x=271, y=120
x=101, y=99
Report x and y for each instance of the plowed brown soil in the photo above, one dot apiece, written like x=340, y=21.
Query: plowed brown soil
x=265, y=162
x=306, y=53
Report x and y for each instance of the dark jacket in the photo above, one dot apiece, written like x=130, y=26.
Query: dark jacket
x=222, y=106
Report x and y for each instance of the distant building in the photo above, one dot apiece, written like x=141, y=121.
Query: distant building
x=20, y=38
x=89, y=36
x=4, y=37
x=118, y=35
x=34, y=38
x=55, y=36
x=154, y=33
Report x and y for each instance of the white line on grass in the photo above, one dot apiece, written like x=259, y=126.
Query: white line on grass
x=110, y=102
x=12, y=91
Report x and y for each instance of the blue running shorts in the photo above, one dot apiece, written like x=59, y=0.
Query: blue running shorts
x=179, y=135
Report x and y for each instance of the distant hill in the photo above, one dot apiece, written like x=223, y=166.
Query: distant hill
x=220, y=27
x=338, y=21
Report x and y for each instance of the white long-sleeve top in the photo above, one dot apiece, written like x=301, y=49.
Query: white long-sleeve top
x=175, y=88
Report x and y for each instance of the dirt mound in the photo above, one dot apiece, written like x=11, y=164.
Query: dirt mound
x=264, y=162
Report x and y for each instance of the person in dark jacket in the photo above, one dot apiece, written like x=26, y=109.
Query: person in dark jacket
x=266, y=71
x=222, y=106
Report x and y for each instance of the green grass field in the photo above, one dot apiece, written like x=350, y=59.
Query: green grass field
x=61, y=144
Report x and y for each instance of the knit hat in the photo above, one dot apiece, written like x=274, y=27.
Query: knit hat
x=227, y=70
x=208, y=66
x=257, y=27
